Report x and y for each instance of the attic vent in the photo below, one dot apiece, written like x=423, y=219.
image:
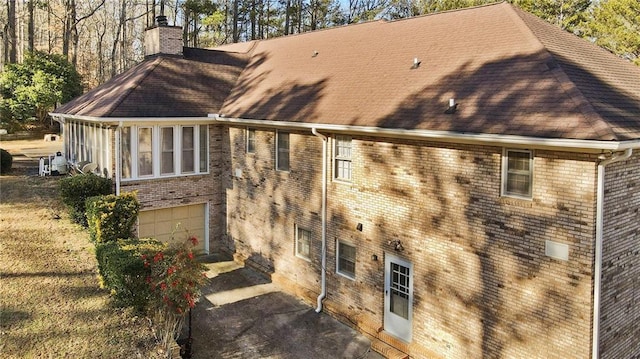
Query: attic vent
x=315, y=53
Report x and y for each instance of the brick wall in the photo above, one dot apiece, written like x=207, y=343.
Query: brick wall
x=483, y=286
x=620, y=295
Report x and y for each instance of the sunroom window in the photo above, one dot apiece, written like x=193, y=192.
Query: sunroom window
x=164, y=151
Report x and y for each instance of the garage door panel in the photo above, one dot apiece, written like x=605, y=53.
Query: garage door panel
x=177, y=223
x=161, y=215
x=146, y=230
x=180, y=213
x=146, y=217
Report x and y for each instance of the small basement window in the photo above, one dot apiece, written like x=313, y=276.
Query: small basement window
x=346, y=260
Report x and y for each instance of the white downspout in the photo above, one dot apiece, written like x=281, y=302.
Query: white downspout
x=118, y=156
x=323, y=291
x=598, y=255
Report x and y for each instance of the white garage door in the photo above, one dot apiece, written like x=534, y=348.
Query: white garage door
x=177, y=223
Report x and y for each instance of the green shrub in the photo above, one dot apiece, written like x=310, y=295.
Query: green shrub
x=6, y=161
x=76, y=189
x=111, y=217
x=123, y=270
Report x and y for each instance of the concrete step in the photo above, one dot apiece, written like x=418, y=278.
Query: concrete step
x=386, y=350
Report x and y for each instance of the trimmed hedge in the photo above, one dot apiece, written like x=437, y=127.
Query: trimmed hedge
x=123, y=271
x=6, y=161
x=76, y=189
x=111, y=217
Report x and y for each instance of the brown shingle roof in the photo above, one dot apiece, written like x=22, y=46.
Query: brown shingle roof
x=510, y=72
x=164, y=86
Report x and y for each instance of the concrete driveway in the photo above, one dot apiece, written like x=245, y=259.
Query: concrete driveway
x=244, y=315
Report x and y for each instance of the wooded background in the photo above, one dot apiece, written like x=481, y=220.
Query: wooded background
x=102, y=38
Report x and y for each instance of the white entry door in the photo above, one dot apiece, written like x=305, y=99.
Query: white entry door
x=398, y=297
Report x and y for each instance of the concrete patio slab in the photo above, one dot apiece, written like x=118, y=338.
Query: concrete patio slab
x=243, y=315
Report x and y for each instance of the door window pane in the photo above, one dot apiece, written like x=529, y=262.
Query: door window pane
x=399, y=299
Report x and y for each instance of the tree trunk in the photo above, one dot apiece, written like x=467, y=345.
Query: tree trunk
x=31, y=27
x=236, y=35
x=287, y=17
x=11, y=27
x=114, y=48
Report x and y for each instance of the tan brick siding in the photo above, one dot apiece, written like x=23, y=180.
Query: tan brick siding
x=483, y=286
x=620, y=295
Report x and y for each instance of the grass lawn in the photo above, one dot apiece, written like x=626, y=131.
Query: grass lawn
x=50, y=302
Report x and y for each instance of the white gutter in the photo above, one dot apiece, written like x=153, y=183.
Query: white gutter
x=323, y=291
x=597, y=275
x=446, y=136
x=121, y=120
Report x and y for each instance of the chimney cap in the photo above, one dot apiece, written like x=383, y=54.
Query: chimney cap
x=162, y=20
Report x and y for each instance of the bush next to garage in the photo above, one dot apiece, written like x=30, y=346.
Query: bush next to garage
x=76, y=189
x=6, y=161
x=111, y=217
x=123, y=270
x=176, y=280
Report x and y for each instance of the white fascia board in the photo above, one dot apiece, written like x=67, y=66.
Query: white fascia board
x=133, y=120
x=574, y=145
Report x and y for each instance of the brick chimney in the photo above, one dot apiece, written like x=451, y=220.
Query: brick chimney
x=163, y=39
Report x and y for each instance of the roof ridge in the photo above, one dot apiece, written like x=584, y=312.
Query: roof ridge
x=567, y=85
x=496, y=3
x=157, y=60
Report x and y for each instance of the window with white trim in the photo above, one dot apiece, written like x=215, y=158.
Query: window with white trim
x=145, y=151
x=342, y=158
x=164, y=151
x=282, y=151
x=346, y=260
x=203, y=145
x=251, y=140
x=126, y=151
x=303, y=243
x=517, y=173
x=167, y=153
x=187, y=147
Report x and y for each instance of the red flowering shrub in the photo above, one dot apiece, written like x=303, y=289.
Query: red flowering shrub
x=176, y=281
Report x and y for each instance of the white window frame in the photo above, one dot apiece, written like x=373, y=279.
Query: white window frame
x=154, y=154
x=177, y=151
x=339, y=158
x=203, y=156
x=251, y=139
x=506, y=172
x=341, y=272
x=288, y=151
x=194, y=149
x=174, y=145
x=300, y=230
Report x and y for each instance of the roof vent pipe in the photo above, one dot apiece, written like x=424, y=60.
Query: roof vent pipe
x=453, y=106
x=416, y=63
